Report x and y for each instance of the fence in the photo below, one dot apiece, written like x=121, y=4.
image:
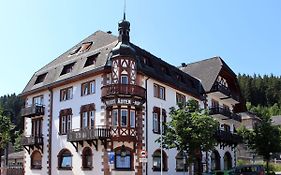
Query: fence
x=11, y=171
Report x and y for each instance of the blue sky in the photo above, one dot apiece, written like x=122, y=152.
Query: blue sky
x=245, y=33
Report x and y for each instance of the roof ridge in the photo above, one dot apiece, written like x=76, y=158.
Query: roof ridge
x=207, y=59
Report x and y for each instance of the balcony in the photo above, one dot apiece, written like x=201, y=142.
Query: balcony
x=91, y=136
x=227, y=138
x=29, y=142
x=31, y=111
x=123, y=94
x=224, y=114
x=224, y=93
x=220, y=90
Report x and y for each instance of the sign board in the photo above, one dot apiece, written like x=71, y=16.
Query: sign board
x=143, y=154
x=111, y=156
x=144, y=160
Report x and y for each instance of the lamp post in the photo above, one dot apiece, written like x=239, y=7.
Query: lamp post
x=161, y=140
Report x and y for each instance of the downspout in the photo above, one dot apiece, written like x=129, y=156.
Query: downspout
x=146, y=123
x=50, y=132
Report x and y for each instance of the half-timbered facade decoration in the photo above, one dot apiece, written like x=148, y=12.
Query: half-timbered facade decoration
x=99, y=107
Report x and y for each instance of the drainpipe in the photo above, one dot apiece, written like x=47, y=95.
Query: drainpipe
x=50, y=132
x=146, y=123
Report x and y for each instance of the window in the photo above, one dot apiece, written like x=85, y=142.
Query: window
x=66, y=94
x=156, y=161
x=115, y=117
x=159, y=91
x=88, y=88
x=180, y=98
x=124, y=79
x=215, y=103
x=37, y=127
x=67, y=68
x=38, y=100
x=215, y=160
x=156, y=123
x=181, y=162
x=65, y=160
x=132, y=119
x=36, y=160
x=87, y=159
x=85, y=47
x=65, y=121
x=91, y=60
x=124, y=117
x=156, y=120
x=87, y=116
x=40, y=78
x=123, y=158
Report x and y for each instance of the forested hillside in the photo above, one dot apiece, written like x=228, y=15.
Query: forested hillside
x=263, y=93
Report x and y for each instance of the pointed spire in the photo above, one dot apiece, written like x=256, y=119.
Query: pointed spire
x=124, y=13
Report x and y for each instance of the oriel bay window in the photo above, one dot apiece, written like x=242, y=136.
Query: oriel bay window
x=156, y=120
x=123, y=117
x=65, y=120
x=88, y=116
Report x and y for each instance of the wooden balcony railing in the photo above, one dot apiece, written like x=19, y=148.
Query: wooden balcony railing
x=88, y=134
x=228, y=138
x=31, y=111
x=123, y=94
x=221, y=88
x=123, y=89
x=224, y=112
x=32, y=140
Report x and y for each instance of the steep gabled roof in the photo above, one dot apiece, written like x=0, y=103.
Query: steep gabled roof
x=102, y=43
x=207, y=71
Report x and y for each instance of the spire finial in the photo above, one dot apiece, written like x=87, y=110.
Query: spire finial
x=124, y=17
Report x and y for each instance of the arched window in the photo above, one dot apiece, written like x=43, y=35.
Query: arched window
x=123, y=158
x=227, y=161
x=65, y=160
x=181, y=162
x=157, y=161
x=36, y=160
x=87, y=158
x=215, y=160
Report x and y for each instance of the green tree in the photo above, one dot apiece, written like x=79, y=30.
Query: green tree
x=5, y=127
x=264, y=139
x=190, y=130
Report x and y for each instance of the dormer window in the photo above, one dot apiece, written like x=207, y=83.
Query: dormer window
x=91, y=60
x=85, y=47
x=165, y=70
x=179, y=78
x=124, y=79
x=40, y=78
x=67, y=68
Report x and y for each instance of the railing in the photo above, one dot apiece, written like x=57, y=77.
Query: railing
x=224, y=112
x=228, y=137
x=221, y=88
x=88, y=134
x=32, y=140
x=123, y=89
x=34, y=110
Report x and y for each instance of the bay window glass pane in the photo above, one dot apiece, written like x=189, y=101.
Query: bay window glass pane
x=68, y=122
x=124, y=79
x=132, y=119
x=115, y=117
x=124, y=117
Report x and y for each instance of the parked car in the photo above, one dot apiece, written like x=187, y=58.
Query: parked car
x=249, y=170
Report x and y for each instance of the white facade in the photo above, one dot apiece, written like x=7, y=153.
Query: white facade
x=76, y=132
